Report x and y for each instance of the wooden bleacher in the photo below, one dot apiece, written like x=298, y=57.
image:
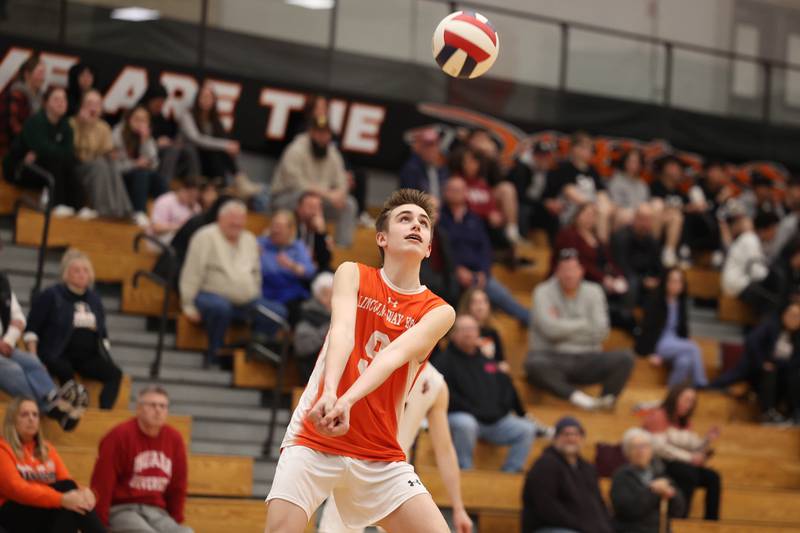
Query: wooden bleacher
x=732, y=309
x=9, y=194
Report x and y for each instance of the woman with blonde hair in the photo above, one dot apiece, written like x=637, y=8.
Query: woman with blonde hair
x=67, y=329
x=36, y=492
x=475, y=302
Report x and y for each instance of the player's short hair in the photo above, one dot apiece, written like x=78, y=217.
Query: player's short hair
x=403, y=197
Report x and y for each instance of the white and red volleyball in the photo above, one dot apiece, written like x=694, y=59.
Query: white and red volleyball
x=465, y=44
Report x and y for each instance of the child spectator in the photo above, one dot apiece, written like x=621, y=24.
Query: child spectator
x=172, y=209
x=36, y=491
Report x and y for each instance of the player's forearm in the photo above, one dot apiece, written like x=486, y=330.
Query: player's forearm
x=447, y=462
x=375, y=374
x=339, y=349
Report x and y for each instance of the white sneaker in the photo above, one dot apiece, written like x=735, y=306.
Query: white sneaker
x=61, y=211
x=512, y=233
x=583, y=400
x=717, y=259
x=669, y=258
x=366, y=220
x=87, y=214
x=141, y=219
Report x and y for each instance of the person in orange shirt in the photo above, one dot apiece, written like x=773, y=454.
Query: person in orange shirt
x=342, y=438
x=36, y=492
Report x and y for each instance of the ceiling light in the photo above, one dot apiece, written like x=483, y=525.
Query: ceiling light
x=135, y=14
x=312, y=4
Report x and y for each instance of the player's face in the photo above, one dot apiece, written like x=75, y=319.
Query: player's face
x=408, y=231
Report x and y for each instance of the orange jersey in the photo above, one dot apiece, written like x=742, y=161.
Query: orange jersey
x=383, y=313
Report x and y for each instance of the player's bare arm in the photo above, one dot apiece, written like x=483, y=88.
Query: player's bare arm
x=340, y=337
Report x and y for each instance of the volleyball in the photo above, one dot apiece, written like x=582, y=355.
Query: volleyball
x=465, y=44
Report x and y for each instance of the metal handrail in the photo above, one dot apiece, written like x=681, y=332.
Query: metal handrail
x=155, y=366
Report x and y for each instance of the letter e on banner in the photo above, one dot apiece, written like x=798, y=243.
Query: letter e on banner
x=57, y=68
x=126, y=90
x=227, y=93
x=363, y=128
x=281, y=104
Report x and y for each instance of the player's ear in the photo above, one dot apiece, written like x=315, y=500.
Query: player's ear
x=381, y=239
x=428, y=252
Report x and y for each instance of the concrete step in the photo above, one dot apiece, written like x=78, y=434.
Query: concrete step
x=118, y=321
x=137, y=356
x=208, y=395
x=146, y=339
x=233, y=432
x=264, y=470
x=261, y=488
x=251, y=415
x=252, y=449
x=170, y=376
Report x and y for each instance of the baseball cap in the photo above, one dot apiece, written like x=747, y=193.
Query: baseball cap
x=568, y=422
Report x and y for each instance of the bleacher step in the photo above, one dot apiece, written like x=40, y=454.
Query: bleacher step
x=218, y=396
x=176, y=359
x=253, y=415
x=173, y=375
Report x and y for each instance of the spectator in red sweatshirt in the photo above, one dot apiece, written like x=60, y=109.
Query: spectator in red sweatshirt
x=36, y=492
x=140, y=474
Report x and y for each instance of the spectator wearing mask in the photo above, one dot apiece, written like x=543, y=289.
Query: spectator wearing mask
x=97, y=170
x=313, y=325
x=80, y=80
x=776, y=344
x=311, y=230
x=626, y=188
x=561, y=493
x=683, y=451
x=664, y=334
x=746, y=274
x=221, y=278
x=36, y=489
x=67, y=329
x=669, y=201
x=140, y=476
x=202, y=128
x=481, y=400
x=286, y=266
x=139, y=161
x=471, y=250
x=425, y=170
x=598, y=264
x=20, y=100
x=23, y=375
x=640, y=488
x=575, y=182
x=637, y=253
x=173, y=209
x=177, y=158
x=568, y=326
x=46, y=141
x=312, y=163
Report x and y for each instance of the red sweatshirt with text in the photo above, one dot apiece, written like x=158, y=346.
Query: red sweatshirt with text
x=132, y=467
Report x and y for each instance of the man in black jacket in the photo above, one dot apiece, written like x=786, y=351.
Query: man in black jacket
x=481, y=400
x=561, y=492
x=638, y=254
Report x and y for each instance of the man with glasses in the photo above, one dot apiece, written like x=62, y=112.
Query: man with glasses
x=140, y=476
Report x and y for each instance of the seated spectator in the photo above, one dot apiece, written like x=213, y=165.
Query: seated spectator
x=286, y=266
x=568, y=326
x=705, y=228
x=746, y=274
x=221, y=278
x=776, y=343
x=138, y=161
x=639, y=488
x=311, y=229
x=529, y=176
x=598, y=264
x=37, y=493
x=664, y=334
x=312, y=163
x=561, y=493
x=471, y=250
x=787, y=268
x=46, y=141
x=312, y=328
x=22, y=374
x=97, y=170
x=177, y=158
x=683, y=451
x=626, y=188
x=80, y=80
x=761, y=197
x=669, y=201
x=202, y=128
x=475, y=302
x=437, y=272
x=20, y=100
x=637, y=254
x=67, y=329
x=789, y=225
x=576, y=182
x=425, y=170
x=140, y=476
x=481, y=400
x=172, y=209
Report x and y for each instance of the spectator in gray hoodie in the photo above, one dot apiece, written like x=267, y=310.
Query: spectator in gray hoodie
x=315, y=320
x=569, y=323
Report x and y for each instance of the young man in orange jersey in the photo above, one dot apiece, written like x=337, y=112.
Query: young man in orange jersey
x=342, y=438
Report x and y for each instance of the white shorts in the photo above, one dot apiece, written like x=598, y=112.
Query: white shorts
x=365, y=491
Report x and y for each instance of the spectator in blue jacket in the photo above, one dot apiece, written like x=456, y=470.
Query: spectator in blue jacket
x=425, y=169
x=286, y=266
x=67, y=329
x=471, y=249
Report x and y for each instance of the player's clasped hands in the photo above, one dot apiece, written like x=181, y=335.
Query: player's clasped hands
x=330, y=415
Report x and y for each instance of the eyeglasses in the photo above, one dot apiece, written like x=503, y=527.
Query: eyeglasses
x=156, y=405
